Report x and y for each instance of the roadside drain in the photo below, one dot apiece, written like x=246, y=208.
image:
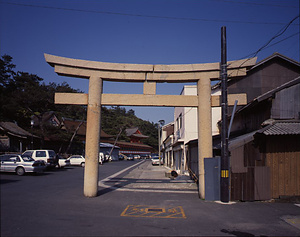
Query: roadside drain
x=153, y=211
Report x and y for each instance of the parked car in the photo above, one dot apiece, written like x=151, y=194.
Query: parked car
x=155, y=160
x=122, y=157
x=153, y=155
x=130, y=157
x=145, y=156
x=62, y=162
x=137, y=157
x=48, y=156
x=77, y=160
x=108, y=158
x=20, y=164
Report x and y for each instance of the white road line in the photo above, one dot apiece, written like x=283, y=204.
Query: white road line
x=120, y=172
x=101, y=184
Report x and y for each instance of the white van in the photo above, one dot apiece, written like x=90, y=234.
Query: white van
x=48, y=156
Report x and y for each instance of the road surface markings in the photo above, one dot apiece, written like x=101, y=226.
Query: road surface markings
x=153, y=211
x=292, y=220
x=120, y=172
x=116, y=184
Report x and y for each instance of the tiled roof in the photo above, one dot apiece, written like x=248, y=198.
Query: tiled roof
x=14, y=130
x=130, y=131
x=139, y=135
x=71, y=125
x=107, y=145
x=276, y=55
x=282, y=128
x=131, y=144
x=235, y=142
x=135, y=133
x=262, y=62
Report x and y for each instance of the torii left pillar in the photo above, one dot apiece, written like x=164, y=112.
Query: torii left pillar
x=92, y=137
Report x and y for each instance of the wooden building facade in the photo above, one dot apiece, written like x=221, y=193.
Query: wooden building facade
x=15, y=139
x=264, y=143
x=265, y=162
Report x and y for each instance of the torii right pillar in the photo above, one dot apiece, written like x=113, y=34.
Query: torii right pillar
x=204, y=130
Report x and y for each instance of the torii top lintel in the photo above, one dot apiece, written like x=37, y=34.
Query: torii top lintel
x=145, y=72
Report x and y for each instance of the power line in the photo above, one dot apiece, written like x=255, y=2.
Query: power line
x=256, y=4
x=143, y=15
x=279, y=33
x=282, y=40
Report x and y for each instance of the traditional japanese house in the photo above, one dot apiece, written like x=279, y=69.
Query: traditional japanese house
x=265, y=158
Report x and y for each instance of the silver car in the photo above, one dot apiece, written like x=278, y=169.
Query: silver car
x=20, y=164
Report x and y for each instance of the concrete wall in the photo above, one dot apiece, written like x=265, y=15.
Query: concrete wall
x=189, y=129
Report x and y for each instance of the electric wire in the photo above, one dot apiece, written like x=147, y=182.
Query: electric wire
x=144, y=15
x=266, y=45
x=250, y=56
x=254, y=3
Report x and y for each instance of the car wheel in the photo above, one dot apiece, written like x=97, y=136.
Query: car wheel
x=82, y=164
x=20, y=171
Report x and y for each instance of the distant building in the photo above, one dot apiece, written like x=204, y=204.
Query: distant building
x=135, y=135
x=185, y=129
x=45, y=119
x=135, y=146
x=15, y=139
x=107, y=148
x=71, y=126
x=167, y=141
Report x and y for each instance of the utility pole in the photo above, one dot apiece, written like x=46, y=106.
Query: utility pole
x=224, y=137
x=121, y=129
x=160, y=123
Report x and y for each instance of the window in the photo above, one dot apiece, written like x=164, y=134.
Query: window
x=40, y=154
x=179, y=121
x=28, y=153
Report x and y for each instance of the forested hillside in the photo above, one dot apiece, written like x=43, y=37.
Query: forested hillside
x=23, y=95
x=115, y=118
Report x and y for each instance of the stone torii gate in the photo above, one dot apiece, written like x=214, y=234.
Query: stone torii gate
x=97, y=72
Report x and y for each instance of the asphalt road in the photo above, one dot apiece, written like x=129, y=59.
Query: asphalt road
x=138, y=201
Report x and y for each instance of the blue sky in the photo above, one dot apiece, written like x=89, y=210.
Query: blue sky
x=142, y=31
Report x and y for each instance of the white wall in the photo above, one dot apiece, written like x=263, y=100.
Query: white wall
x=216, y=115
x=189, y=130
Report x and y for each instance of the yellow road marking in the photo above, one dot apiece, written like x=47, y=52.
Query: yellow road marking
x=153, y=211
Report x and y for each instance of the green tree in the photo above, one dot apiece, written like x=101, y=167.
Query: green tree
x=114, y=118
x=23, y=95
x=6, y=70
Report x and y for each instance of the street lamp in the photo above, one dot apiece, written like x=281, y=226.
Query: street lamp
x=160, y=123
x=31, y=123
